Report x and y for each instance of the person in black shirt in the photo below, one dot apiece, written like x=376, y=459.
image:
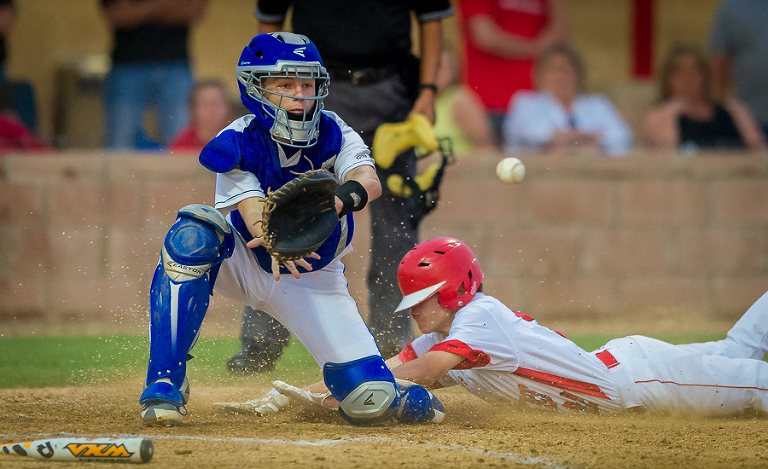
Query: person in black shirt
x=7, y=19
x=150, y=69
x=17, y=96
x=688, y=118
x=366, y=47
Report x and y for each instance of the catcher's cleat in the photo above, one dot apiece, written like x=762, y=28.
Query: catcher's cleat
x=161, y=414
x=184, y=390
x=390, y=140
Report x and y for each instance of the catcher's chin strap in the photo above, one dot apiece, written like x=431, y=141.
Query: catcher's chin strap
x=424, y=187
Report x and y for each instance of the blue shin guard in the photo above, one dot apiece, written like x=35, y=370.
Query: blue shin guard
x=194, y=247
x=365, y=389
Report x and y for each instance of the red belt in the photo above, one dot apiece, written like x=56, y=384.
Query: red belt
x=608, y=359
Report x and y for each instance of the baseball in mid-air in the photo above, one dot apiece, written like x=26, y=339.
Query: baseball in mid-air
x=510, y=170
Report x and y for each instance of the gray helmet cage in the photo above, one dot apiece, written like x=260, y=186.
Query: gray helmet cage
x=287, y=128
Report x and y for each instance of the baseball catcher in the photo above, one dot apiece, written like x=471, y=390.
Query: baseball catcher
x=289, y=177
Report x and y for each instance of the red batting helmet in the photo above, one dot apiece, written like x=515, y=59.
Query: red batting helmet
x=445, y=266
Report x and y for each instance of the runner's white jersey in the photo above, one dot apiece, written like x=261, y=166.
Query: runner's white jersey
x=510, y=356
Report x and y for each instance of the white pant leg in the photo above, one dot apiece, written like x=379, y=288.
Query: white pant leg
x=325, y=317
x=316, y=307
x=669, y=379
x=748, y=338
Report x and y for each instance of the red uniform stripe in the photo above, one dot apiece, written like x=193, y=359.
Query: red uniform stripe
x=607, y=359
x=756, y=388
x=474, y=358
x=563, y=383
x=407, y=354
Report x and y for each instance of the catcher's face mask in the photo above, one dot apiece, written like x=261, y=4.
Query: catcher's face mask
x=283, y=82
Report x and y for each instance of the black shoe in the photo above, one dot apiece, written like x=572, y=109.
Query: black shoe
x=253, y=358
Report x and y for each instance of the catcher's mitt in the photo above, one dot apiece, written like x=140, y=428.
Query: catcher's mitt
x=299, y=216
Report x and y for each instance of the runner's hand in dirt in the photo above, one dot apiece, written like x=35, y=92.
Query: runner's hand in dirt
x=269, y=404
x=315, y=401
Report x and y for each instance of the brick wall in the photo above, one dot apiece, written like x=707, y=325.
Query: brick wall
x=598, y=238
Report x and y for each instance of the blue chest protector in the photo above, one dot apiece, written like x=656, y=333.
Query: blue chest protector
x=253, y=150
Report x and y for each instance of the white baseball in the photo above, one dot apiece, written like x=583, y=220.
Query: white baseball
x=510, y=170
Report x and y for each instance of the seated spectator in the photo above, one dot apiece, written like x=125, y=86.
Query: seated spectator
x=459, y=114
x=210, y=111
x=688, y=117
x=558, y=118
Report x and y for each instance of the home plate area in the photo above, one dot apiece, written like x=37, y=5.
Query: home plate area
x=474, y=434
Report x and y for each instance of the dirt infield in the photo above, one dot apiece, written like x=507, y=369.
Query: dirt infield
x=474, y=434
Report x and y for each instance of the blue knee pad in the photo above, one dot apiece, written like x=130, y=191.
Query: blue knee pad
x=365, y=389
x=193, y=250
x=197, y=243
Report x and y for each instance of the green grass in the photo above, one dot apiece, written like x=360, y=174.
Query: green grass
x=31, y=362
x=594, y=341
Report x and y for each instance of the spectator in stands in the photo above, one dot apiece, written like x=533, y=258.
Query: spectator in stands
x=15, y=136
x=459, y=114
x=688, y=117
x=558, y=118
x=210, y=110
x=502, y=41
x=17, y=97
x=739, y=54
x=150, y=69
x=17, y=105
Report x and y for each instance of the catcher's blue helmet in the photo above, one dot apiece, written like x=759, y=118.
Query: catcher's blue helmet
x=283, y=55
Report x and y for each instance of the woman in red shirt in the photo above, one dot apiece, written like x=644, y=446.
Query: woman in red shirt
x=211, y=111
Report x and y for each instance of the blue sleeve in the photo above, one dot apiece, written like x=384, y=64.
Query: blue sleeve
x=223, y=153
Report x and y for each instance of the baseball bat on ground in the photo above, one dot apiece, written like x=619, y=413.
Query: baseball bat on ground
x=134, y=450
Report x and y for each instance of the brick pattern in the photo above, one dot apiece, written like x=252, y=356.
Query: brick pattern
x=600, y=237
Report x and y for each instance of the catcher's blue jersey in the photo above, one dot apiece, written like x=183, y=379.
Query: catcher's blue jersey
x=250, y=164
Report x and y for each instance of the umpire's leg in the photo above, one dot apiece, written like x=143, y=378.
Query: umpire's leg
x=392, y=236
x=263, y=340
